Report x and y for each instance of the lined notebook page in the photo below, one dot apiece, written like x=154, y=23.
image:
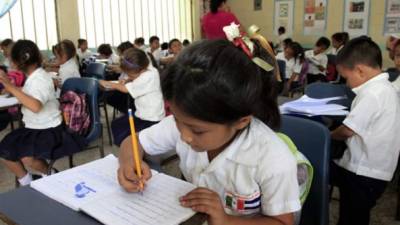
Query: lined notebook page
x=159, y=204
x=81, y=184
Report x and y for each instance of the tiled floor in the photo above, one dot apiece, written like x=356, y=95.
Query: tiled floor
x=383, y=213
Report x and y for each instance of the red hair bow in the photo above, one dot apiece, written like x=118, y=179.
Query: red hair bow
x=238, y=42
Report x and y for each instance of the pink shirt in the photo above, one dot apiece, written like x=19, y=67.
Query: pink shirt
x=212, y=24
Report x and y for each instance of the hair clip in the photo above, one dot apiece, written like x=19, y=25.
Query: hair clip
x=232, y=33
x=130, y=64
x=27, y=56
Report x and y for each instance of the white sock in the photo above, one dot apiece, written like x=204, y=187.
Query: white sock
x=25, y=180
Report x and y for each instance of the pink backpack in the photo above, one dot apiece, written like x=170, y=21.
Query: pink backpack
x=75, y=112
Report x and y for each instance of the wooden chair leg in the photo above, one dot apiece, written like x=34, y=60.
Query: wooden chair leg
x=107, y=123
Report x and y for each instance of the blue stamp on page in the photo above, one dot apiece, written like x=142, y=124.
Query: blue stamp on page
x=81, y=190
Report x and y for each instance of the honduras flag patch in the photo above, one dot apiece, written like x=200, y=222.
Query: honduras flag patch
x=243, y=204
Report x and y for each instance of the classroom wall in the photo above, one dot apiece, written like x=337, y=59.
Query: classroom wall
x=243, y=9
x=68, y=20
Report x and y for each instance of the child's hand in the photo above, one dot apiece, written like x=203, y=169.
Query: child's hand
x=206, y=201
x=128, y=178
x=4, y=79
x=105, y=84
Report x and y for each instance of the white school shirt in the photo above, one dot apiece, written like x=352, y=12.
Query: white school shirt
x=320, y=59
x=373, y=150
x=292, y=65
x=335, y=51
x=83, y=55
x=256, y=169
x=39, y=85
x=68, y=69
x=281, y=38
x=156, y=54
x=113, y=59
x=146, y=91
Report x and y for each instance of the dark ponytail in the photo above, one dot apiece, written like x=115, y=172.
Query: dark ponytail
x=298, y=51
x=215, y=4
x=217, y=82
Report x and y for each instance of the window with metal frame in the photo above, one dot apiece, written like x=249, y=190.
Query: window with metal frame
x=116, y=21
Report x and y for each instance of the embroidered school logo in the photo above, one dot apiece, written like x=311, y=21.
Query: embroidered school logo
x=81, y=190
x=243, y=204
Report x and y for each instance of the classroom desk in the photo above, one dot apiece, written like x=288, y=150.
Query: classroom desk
x=26, y=206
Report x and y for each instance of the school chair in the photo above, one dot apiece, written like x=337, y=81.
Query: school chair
x=90, y=87
x=98, y=71
x=313, y=140
x=327, y=90
x=393, y=74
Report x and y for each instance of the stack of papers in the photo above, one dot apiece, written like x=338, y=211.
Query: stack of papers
x=314, y=107
x=8, y=101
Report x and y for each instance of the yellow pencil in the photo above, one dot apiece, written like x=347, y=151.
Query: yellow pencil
x=135, y=148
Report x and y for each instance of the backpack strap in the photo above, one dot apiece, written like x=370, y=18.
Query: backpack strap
x=305, y=171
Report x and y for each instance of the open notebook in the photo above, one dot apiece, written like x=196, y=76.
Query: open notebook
x=93, y=188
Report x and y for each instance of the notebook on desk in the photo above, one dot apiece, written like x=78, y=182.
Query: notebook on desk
x=93, y=188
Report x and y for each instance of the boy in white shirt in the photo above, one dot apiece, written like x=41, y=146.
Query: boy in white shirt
x=318, y=60
x=83, y=52
x=370, y=132
x=154, y=48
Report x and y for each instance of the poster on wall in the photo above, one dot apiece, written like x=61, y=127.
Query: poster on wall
x=392, y=17
x=284, y=16
x=356, y=17
x=315, y=13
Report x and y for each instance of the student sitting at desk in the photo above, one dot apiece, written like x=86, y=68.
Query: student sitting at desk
x=66, y=57
x=318, y=61
x=370, y=131
x=43, y=136
x=83, y=52
x=293, y=55
x=105, y=52
x=224, y=108
x=174, y=48
x=143, y=85
x=5, y=47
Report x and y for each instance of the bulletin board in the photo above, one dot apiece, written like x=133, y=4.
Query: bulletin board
x=356, y=17
x=284, y=15
x=392, y=17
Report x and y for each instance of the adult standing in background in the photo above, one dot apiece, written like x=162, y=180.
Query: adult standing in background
x=218, y=17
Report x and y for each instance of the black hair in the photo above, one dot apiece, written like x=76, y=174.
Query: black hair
x=164, y=46
x=341, y=37
x=172, y=41
x=287, y=41
x=139, y=41
x=124, y=46
x=361, y=50
x=66, y=47
x=281, y=30
x=134, y=60
x=6, y=42
x=186, y=42
x=214, y=81
x=81, y=42
x=298, y=51
x=105, y=49
x=153, y=38
x=25, y=53
x=215, y=4
x=323, y=42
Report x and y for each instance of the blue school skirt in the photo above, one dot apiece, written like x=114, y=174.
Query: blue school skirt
x=120, y=127
x=50, y=143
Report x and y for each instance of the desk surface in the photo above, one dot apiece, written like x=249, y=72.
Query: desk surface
x=26, y=206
